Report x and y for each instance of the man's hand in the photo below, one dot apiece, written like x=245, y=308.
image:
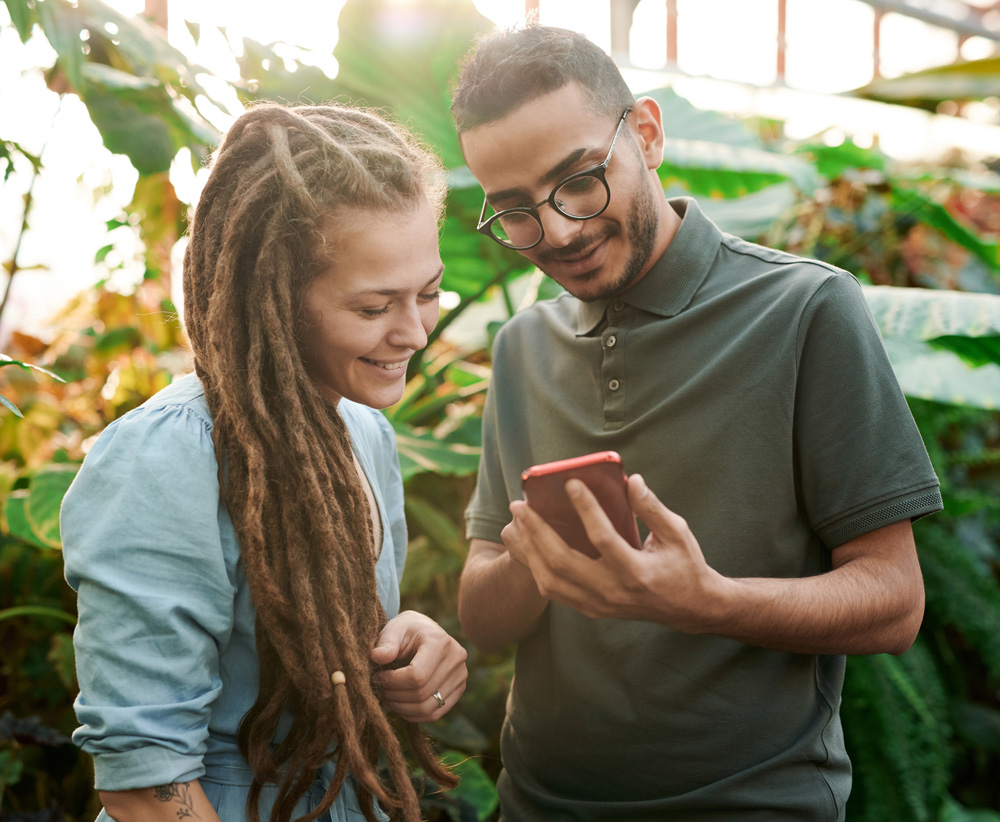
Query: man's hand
x=424, y=671
x=668, y=581
x=870, y=602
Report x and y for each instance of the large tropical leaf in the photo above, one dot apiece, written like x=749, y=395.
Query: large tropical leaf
x=941, y=343
x=749, y=216
x=405, y=57
x=712, y=155
x=971, y=80
x=425, y=452
x=140, y=91
x=682, y=120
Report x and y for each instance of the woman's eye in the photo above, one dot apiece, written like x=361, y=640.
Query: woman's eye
x=431, y=296
x=374, y=312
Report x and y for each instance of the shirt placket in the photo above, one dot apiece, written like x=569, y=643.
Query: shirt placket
x=613, y=379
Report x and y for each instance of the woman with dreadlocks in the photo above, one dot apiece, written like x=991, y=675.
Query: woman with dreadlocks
x=237, y=541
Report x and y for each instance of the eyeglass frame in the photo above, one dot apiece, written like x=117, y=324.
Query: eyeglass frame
x=597, y=171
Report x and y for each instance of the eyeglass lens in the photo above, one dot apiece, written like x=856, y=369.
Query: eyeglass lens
x=580, y=197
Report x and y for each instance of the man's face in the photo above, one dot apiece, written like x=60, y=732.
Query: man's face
x=521, y=157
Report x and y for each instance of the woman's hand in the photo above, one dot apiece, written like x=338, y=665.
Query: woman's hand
x=423, y=667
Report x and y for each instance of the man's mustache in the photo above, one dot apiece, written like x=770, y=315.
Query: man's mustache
x=578, y=245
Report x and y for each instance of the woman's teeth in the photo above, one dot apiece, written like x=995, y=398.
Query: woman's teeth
x=386, y=366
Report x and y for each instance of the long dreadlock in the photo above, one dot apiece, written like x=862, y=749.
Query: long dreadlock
x=286, y=467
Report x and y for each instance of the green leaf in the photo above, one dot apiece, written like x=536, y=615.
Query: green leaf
x=960, y=593
x=927, y=314
x=943, y=376
x=11, y=766
x=923, y=331
x=475, y=787
x=683, y=120
x=45, y=495
x=750, y=216
x=433, y=524
x=9, y=405
x=122, y=338
x=833, y=161
x=717, y=170
x=16, y=513
x=103, y=252
x=896, y=728
x=970, y=80
x=21, y=17
x=936, y=216
x=62, y=24
x=952, y=811
x=405, y=57
x=137, y=130
x=425, y=452
x=976, y=351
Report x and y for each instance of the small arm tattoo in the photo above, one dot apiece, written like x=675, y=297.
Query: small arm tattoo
x=181, y=791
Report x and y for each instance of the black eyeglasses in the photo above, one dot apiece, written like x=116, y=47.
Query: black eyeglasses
x=580, y=196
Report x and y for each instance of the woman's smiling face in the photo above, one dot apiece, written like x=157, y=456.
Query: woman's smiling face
x=369, y=311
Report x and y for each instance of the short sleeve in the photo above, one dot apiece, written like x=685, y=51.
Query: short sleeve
x=488, y=511
x=862, y=462
x=142, y=547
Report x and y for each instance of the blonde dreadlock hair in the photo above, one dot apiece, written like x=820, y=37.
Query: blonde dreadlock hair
x=285, y=461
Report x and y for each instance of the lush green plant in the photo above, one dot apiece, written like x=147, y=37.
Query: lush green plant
x=923, y=729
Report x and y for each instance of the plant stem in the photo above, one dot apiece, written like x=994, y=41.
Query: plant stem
x=453, y=315
x=36, y=166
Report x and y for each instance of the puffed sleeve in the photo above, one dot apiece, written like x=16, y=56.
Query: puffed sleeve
x=142, y=547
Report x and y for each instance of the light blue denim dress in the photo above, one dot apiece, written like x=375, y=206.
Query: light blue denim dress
x=165, y=648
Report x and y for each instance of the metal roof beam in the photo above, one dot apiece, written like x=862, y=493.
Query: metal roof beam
x=969, y=26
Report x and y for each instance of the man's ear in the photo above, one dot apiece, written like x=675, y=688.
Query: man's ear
x=648, y=128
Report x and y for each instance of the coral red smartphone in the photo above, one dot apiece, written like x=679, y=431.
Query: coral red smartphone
x=545, y=491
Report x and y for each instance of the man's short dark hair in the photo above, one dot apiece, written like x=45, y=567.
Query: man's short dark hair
x=511, y=67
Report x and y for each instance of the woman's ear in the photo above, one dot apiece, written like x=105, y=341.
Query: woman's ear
x=648, y=128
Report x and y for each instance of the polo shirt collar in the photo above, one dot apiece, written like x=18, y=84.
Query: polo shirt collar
x=673, y=280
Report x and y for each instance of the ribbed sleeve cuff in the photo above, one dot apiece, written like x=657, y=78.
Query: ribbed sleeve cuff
x=912, y=505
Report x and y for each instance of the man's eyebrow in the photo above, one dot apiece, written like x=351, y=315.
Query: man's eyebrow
x=553, y=175
x=392, y=292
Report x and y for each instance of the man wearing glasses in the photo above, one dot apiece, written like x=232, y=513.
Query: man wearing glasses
x=700, y=677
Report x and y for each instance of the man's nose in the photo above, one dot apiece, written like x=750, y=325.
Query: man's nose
x=559, y=229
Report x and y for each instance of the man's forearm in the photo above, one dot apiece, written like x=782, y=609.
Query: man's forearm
x=865, y=605
x=184, y=801
x=498, y=601
x=871, y=602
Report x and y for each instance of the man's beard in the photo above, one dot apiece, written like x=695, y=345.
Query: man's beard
x=641, y=237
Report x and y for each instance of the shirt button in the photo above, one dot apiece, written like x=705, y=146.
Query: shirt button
x=614, y=385
x=611, y=340
x=618, y=305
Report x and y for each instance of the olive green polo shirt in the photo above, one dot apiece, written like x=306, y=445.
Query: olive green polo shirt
x=751, y=390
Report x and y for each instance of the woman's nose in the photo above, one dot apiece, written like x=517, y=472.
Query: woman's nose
x=410, y=331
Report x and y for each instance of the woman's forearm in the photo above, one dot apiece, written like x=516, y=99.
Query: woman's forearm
x=163, y=803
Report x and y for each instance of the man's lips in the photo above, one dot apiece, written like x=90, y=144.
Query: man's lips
x=575, y=264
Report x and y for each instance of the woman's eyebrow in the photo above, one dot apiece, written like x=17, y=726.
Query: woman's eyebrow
x=392, y=292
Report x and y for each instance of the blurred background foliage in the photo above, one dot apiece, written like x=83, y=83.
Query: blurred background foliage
x=923, y=729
